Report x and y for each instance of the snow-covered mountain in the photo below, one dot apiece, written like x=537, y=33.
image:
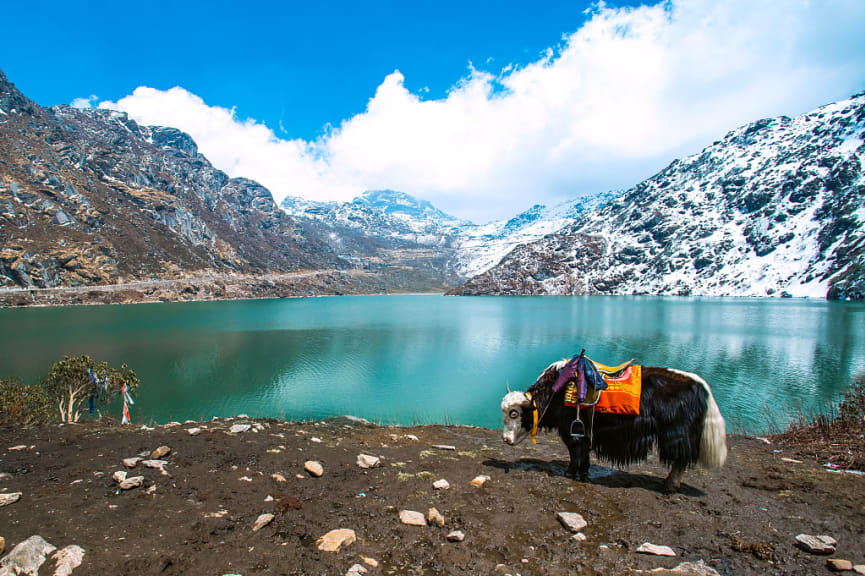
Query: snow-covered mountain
x=775, y=207
x=396, y=219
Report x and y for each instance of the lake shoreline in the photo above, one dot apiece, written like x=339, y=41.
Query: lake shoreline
x=198, y=516
x=219, y=287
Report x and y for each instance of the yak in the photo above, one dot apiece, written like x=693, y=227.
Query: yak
x=676, y=411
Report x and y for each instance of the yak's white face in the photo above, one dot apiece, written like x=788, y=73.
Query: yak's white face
x=513, y=405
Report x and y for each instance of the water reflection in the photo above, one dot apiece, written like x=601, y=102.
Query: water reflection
x=409, y=359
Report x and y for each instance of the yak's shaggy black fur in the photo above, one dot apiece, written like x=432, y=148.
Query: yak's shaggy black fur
x=673, y=408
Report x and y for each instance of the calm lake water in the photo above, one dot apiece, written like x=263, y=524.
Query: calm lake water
x=436, y=359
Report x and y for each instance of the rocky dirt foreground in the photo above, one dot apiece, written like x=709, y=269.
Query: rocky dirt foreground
x=240, y=496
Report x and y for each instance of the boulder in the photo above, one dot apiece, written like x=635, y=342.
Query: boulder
x=313, y=467
x=412, y=518
x=367, y=461
x=335, y=539
x=262, y=521
x=26, y=557
x=67, y=560
x=572, y=521
x=655, y=549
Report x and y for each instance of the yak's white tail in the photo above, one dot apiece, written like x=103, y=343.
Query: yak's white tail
x=713, y=445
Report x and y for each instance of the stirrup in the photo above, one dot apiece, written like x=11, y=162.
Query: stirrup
x=581, y=429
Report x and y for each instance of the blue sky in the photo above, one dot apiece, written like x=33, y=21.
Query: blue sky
x=483, y=108
x=302, y=64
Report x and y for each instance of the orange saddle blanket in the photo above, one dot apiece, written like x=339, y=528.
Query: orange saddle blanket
x=622, y=395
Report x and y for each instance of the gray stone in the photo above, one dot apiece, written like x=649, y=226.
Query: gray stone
x=698, y=568
x=859, y=568
x=26, y=557
x=578, y=537
x=67, y=560
x=456, y=536
x=412, y=518
x=356, y=570
x=194, y=431
x=444, y=447
x=131, y=462
x=239, y=428
x=655, y=549
x=157, y=464
x=816, y=544
x=119, y=476
x=572, y=521
x=367, y=461
x=262, y=521
x=441, y=484
x=11, y=498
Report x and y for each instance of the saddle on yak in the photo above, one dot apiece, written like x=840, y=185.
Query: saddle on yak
x=599, y=388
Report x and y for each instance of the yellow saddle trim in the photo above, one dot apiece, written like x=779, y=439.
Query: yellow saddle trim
x=609, y=370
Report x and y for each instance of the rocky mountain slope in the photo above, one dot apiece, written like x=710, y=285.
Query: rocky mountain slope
x=90, y=197
x=385, y=221
x=775, y=207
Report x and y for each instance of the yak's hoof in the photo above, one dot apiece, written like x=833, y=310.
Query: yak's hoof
x=671, y=487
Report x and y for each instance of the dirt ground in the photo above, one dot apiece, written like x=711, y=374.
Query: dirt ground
x=198, y=519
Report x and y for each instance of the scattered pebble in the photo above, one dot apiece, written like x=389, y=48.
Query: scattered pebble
x=278, y=477
x=480, y=480
x=456, y=536
x=171, y=425
x=411, y=437
x=572, y=521
x=655, y=549
x=412, y=518
x=333, y=540
x=816, y=544
x=367, y=461
x=6, y=499
x=579, y=537
x=160, y=453
x=239, y=428
x=119, y=476
x=356, y=570
x=131, y=462
x=131, y=483
x=435, y=517
x=262, y=521
x=316, y=440
x=67, y=560
x=859, y=568
x=27, y=556
x=194, y=431
x=245, y=479
x=313, y=467
x=698, y=568
x=791, y=460
x=444, y=447
x=369, y=561
x=17, y=448
x=156, y=464
x=2, y=545
x=839, y=565
x=441, y=484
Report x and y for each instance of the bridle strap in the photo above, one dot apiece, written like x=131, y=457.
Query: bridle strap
x=534, y=416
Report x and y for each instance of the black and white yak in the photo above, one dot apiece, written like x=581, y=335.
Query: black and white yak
x=677, y=412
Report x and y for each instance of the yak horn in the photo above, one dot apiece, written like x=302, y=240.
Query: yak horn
x=508, y=387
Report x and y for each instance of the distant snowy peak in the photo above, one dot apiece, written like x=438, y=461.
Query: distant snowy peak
x=775, y=206
x=468, y=248
x=482, y=247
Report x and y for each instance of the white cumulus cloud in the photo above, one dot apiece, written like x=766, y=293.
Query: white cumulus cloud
x=623, y=95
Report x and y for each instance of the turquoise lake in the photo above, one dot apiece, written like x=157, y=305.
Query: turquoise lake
x=433, y=359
